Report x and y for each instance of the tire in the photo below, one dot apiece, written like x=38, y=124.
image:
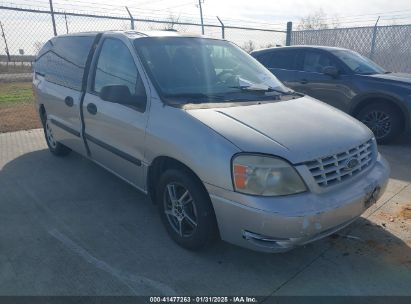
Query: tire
x=384, y=120
x=190, y=219
x=55, y=147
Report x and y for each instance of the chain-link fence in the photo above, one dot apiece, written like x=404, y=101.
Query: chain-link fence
x=389, y=46
x=24, y=31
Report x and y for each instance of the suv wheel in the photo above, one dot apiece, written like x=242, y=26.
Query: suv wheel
x=186, y=209
x=383, y=120
x=55, y=147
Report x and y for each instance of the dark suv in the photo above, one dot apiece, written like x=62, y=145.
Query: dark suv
x=348, y=81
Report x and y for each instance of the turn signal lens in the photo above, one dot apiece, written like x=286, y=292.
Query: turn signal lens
x=240, y=176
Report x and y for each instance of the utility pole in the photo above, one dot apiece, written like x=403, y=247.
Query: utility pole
x=52, y=17
x=5, y=41
x=201, y=16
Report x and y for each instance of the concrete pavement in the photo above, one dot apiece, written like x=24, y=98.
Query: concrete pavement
x=68, y=227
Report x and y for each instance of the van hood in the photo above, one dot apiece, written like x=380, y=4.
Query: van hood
x=298, y=130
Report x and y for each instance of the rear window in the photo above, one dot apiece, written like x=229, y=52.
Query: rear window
x=62, y=60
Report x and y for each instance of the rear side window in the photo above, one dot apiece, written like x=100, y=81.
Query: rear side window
x=284, y=59
x=62, y=60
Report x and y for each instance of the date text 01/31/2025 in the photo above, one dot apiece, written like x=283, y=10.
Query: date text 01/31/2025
x=203, y=299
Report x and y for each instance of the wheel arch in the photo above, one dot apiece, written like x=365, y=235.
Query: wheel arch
x=158, y=166
x=42, y=113
x=362, y=101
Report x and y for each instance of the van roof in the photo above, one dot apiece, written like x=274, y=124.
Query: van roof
x=138, y=34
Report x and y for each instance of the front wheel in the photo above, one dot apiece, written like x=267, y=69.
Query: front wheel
x=186, y=210
x=383, y=120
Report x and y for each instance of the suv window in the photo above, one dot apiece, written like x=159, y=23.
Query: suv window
x=284, y=59
x=316, y=61
x=115, y=66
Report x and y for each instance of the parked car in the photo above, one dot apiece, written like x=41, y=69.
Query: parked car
x=217, y=142
x=347, y=81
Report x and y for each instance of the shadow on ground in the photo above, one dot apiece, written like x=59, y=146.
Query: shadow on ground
x=69, y=227
x=398, y=155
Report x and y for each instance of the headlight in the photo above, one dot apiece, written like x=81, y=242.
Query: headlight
x=265, y=175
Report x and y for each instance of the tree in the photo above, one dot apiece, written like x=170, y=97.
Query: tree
x=172, y=21
x=318, y=21
x=267, y=46
x=248, y=46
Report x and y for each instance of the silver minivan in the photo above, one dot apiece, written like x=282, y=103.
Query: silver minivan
x=218, y=143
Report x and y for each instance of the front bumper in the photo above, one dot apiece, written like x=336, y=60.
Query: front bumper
x=278, y=224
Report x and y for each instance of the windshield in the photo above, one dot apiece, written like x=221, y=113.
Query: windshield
x=357, y=63
x=205, y=70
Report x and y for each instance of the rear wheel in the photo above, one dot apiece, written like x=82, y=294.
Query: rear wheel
x=384, y=120
x=55, y=147
x=186, y=210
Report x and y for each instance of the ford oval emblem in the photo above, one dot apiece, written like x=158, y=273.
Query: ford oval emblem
x=351, y=163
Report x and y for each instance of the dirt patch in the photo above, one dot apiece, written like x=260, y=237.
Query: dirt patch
x=372, y=240
x=405, y=212
x=390, y=250
x=18, y=116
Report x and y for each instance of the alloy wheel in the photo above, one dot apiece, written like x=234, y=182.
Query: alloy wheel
x=180, y=209
x=379, y=122
x=50, y=137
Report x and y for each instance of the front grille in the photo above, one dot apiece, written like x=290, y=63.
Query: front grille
x=332, y=169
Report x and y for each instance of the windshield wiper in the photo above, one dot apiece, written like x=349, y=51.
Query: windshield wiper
x=195, y=97
x=267, y=89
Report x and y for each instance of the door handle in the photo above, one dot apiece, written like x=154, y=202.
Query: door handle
x=92, y=108
x=69, y=101
x=303, y=81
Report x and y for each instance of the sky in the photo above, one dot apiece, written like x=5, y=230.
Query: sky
x=27, y=30
x=275, y=12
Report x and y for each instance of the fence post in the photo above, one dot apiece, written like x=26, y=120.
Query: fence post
x=374, y=37
x=222, y=28
x=201, y=16
x=131, y=18
x=289, y=33
x=65, y=19
x=52, y=17
x=5, y=42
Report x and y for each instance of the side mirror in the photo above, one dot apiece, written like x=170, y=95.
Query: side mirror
x=121, y=94
x=116, y=93
x=331, y=71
